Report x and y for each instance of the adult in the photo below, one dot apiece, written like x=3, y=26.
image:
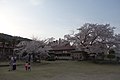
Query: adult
x=11, y=63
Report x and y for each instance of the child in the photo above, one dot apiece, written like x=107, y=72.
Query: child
x=26, y=66
x=29, y=66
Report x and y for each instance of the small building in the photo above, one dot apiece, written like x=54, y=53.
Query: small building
x=5, y=52
x=79, y=55
x=62, y=52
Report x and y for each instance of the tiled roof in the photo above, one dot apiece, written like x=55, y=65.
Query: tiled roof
x=59, y=48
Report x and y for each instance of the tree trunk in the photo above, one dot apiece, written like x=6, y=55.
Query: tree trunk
x=3, y=50
x=29, y=57
x=34, y=59
x=39, y=58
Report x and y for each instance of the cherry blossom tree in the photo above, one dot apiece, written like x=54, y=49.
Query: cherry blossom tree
x=34, y=48
x=116, y=47
x=93, y=38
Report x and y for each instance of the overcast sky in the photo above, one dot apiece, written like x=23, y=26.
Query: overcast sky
x=55, y=18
